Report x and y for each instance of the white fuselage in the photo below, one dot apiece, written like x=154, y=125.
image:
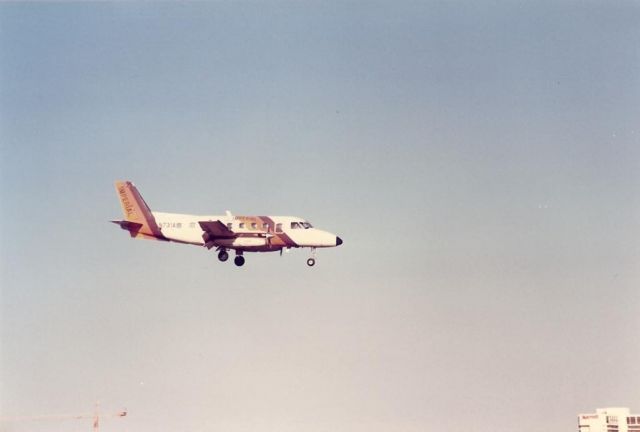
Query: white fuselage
x=255, y=233
x=240, y=233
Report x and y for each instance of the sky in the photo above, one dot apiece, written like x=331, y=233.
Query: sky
x=480, y=160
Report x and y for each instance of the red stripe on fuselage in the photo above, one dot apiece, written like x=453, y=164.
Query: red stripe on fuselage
x=282, y=239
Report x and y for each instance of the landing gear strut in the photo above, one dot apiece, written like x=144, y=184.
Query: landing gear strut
x=223, y=255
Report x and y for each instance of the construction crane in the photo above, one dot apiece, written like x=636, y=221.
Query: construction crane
x=96, y=416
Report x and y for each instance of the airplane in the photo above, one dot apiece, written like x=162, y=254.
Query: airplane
x=229, y=232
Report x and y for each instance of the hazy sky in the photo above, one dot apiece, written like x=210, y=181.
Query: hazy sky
x=479, y=159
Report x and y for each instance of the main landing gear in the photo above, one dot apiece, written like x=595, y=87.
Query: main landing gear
x=239, y=259
x=223, y=255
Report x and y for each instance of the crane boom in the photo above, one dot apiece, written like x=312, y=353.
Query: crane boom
x=95, y=416
x=60, y=417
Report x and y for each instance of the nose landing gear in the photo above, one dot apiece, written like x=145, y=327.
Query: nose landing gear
x=312, y=261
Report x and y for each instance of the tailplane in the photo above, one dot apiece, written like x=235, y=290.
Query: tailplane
x=138, y=219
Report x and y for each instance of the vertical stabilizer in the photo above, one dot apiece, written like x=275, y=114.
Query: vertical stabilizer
x=138, y=219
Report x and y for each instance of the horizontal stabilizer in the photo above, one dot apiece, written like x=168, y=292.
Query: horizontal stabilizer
x=132, y=227
x=127, y=225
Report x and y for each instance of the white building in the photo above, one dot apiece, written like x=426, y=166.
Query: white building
x=609, y=420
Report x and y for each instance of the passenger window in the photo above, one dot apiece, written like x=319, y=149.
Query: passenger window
x=279, y=227
x=254, y=225
x=265, y=227
x=241, y=225
x=295, y=225
x=230, y=225
x=192, y=224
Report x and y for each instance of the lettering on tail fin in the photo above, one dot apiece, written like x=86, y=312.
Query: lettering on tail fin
x=141, y=223
x=129, y=209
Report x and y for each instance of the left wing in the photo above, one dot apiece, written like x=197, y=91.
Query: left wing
x=215, y=230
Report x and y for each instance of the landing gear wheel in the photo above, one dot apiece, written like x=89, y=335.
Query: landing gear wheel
x=311, y=262
x=239, y=260
x=223, y=256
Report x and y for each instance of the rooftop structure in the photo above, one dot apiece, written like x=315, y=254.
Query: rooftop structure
x=609, y=420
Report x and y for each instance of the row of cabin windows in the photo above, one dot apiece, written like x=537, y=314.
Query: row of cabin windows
x=254, y=225
x=265, y=226
x=242, y=225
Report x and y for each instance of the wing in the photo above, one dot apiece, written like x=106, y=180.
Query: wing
x=215, y=230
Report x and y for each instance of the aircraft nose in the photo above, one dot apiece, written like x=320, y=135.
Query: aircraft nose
x=338, y=241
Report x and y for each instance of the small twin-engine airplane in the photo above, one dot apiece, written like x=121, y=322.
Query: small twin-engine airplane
x=229, y=232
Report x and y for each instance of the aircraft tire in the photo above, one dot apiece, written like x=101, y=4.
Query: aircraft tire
x=311, y=262
x=239, y=260
x=223, y=256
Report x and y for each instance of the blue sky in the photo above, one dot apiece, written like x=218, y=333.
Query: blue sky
x=480, y=161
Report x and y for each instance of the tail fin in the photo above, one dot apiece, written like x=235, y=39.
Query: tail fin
x=139, y=220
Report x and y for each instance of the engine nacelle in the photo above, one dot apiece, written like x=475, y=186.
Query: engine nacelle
x=242, y=242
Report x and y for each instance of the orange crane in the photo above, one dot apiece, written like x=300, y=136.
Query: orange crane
x=96, y=416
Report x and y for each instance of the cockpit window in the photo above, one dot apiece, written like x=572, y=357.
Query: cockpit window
x=301, y=225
